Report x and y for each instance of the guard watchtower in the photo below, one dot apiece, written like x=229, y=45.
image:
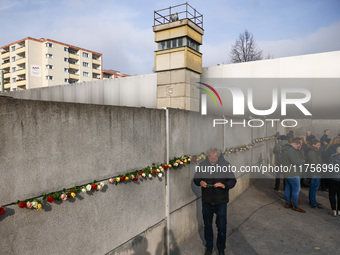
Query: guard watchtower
x=178, y=34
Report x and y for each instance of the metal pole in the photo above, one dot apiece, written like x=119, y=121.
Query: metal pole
x=167, y=188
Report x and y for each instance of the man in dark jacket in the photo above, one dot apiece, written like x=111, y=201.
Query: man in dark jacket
x=314, y=159
x=325, y=135
x=277, y=150
x=309, y=137
x=215, y=196
x=334, y=183
x=291, y=160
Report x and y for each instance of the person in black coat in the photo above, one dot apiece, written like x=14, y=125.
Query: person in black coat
x=309, y=137
x=215, y=188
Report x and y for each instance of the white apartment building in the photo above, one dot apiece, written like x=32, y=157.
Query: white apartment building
x=32, y=63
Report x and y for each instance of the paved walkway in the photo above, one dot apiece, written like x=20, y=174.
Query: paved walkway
x=258, y=223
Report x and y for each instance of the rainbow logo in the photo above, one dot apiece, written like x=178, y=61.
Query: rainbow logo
x=207, y=91
x=204, y=97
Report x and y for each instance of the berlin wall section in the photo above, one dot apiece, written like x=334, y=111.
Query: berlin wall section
x=48, y=146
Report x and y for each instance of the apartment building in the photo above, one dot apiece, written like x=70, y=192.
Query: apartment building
x=111, y=74
x=32, y=63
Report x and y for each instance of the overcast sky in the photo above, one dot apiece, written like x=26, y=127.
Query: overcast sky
x=122, y=30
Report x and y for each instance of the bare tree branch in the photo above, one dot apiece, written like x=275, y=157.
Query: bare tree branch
x=245, y=49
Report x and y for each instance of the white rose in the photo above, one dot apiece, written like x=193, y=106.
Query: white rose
x=150, y=176
x=88, y=187
x=35, y=204
x=101, y=184
x=143, y=174
x=83, y=190
x=160, y=175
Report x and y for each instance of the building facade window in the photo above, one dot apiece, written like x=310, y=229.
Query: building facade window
x=65, y=49
x=49, y=55
x=14, y=80
x=13, y=69
x=13, y=48
x=85, y=55
x=49, y=77
x=49, y=67
x=85, y=64
x=66, y=59
x=48, y=44
x=66, y=70
x=66, y=80
x=13, y=59
x=85, y=74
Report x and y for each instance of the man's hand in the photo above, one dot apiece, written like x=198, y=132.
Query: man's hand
x=219, y=185
x=204, y=184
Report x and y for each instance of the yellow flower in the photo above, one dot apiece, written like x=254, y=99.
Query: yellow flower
x=185, y=161
x=117, y=179
x=127, y=178
x=73, y=194
x=39, y=207
x=170, y=165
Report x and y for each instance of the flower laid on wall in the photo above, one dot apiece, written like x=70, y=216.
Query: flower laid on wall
x=135, y=176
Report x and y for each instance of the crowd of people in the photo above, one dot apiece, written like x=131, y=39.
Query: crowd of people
x=305, y=153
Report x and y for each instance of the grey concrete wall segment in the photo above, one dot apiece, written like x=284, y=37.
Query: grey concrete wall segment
x=135, y=91
x=149, y=242
x=94, y=224
x=64, y=144
x=47, y=146
x=317, y=127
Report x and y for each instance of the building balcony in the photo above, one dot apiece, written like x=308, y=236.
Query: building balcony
x=96, y=62
x=73, y=56
x=20, y=50
x=20, y=61
x=5, y=55
x=74, y=76
x=95, y=79
x=96, y=71
x=21, y=72
x=7, y=85
x=7, y=75
x=74, y=66
x=6, y=65
x=21, y=83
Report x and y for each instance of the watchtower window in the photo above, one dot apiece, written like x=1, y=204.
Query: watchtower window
x=178, y=42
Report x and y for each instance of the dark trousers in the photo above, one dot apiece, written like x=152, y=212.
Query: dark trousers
x=334, y=191
x=208, y=211
x=278, y=180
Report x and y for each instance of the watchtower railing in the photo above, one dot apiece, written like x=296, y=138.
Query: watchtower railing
x=178, y=12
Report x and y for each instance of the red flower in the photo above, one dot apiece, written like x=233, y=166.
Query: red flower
x=50, y=199
x=123, y=178
x=22, y=204
x=2, y=210
x=141, y=172
x=153, y=171
x=166, y=166
x=135, y=179
x=94, y=186
x=69, y=194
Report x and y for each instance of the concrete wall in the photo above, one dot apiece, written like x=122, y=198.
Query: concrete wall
x=137, y=91
x=317, y=127
x=47, y=146
x=320, y=65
